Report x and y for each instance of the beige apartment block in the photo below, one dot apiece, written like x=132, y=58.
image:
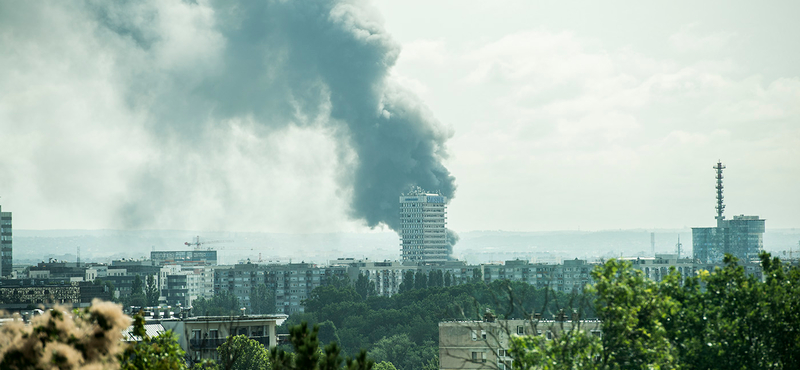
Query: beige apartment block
x=467, y=345
x=200, y=336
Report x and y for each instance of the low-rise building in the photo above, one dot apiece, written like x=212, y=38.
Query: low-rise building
x=486, y=344
x=23, y=294
x=200, y=336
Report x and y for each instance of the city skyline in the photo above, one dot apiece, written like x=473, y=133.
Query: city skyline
x=548, y=118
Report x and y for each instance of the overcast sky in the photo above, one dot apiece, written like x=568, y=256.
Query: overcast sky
x=548, y=115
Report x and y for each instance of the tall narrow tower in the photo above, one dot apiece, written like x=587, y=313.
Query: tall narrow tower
x=720, y=206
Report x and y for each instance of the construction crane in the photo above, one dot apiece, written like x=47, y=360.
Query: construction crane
x=197, y=243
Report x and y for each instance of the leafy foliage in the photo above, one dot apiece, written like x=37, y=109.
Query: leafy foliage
x=574, y=349
x=223, y=303
x=242, y=353
x=729, y=319
x=631, y=310
x=262, y=300
x=725, y=319
x=364, y=287
x=403, y=353
x=152, y=292
x=161, y=352
x=407, y=323
x=384, y=365
x=307, y=354
x=108, y=288
x=137, y=297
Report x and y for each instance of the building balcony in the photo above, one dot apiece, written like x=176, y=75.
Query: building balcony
x=213, y=343
x=206, y=343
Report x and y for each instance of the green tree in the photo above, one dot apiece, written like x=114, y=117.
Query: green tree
x=435, y=278
x=327, y=295
x=223, y=303
x=420, y=280
x=137, y=297
x=432, y=364
x=152, y=292
x=401, y=351
x=384, y=365
x=572, y=350
x=262, y=300
x=364, y=287
x=108, y=289
x=242, y=353
x=408, y=281
x=307, y=355
x=631, y=311
x=161, y=352
x=731, y=319
x=327, y=332
x=448, y=279
x=477, y=275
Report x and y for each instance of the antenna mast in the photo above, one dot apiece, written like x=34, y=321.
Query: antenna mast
x=678, y=247
x=720, y=206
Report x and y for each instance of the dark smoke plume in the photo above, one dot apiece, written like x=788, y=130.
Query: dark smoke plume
x=280, y=63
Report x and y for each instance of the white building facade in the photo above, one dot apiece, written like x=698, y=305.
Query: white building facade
x=423, y=232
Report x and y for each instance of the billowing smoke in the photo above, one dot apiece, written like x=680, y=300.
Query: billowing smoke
x=452, y=238
x=197, y=73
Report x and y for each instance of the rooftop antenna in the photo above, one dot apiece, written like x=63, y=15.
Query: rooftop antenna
x=79, y=256
x=720, y=206
x=678, y=247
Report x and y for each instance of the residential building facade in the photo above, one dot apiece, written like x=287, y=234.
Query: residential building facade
x=485, y=344
x=200, y=336
x=292, y=283
x=423, y=231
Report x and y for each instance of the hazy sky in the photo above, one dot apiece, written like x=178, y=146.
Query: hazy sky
x=302, y=117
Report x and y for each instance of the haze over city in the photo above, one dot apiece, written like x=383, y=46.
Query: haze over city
x=529, y=117
x=399, y=185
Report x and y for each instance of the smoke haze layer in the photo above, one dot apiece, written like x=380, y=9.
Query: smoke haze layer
x=211, y=96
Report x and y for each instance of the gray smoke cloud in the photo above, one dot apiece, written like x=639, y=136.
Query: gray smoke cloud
x=264, y=66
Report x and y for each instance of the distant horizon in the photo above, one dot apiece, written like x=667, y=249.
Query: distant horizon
x=392, y=231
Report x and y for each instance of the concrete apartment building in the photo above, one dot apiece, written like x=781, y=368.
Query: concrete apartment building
x=423, y=232
x=184, y=258
x=6, y=247
x=485, y=344
x=292, y=283
x=566, y=277
x=656, y=268
x=21, y=294
x=388, y=275
x=184, y=284
x=199, y=336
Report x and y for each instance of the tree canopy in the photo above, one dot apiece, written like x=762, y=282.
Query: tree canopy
x=223, y=303
x=407, y=323
x=721, y=319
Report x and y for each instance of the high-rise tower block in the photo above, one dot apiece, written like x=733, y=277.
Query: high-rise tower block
x=423, y=232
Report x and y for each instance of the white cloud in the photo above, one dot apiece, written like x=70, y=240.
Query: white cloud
x=688, y=39
x=425, y=51
x=559, y=102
